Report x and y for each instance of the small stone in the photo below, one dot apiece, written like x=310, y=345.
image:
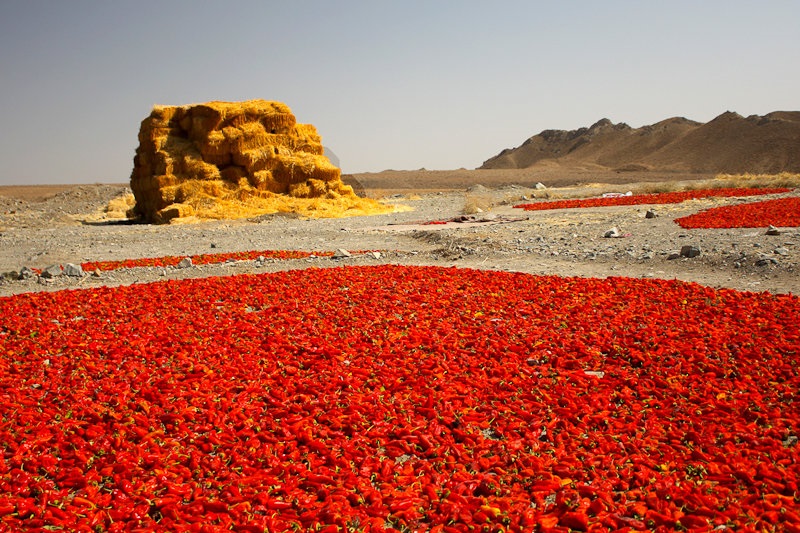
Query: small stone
x=186, y=262
x=673, y=256
x=650, y=214
x=341, y=253
x=540, y=186
x=375, y=255
x=73, y=270
x=26, y=273
x=766, y=261
x=772, y=230
x=781, y=251
x=648, y=255
x=51, y=272
x=213, y=245
x=688, y=250
x=613, y=233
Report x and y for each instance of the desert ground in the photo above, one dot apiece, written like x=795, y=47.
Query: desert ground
x=45, y=225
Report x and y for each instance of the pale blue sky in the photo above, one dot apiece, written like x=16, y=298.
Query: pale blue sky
x=389, y=85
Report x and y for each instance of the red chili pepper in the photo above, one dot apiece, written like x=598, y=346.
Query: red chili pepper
x=575, y=520
x=278, y=504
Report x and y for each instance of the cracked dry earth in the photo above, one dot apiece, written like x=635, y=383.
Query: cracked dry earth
x=69, y=228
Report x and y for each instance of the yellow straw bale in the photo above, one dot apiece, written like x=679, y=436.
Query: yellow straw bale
x=306, y=139
x=199, y=169
x=236, y=159
x=300, y=167
x=255, y=160
x=264, y=181
x=171, y=212
x=215, y=148
x=233, y=173
x=253, y=135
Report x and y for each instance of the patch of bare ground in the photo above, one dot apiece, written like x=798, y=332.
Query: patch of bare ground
x=68, y=227
x=388, y=182
x=32, y=193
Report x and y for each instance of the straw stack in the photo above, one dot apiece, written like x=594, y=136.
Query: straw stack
x=188, y=156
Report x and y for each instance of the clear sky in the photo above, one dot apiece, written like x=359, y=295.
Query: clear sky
x=389, y=85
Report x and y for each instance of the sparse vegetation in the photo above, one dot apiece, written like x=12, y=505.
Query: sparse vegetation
x=784, y=179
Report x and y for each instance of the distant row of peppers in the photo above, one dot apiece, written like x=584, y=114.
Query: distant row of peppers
x=782, y=212
x=205, y=259
x=654, y=198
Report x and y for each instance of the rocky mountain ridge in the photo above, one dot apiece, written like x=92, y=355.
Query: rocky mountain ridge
x=730, y=143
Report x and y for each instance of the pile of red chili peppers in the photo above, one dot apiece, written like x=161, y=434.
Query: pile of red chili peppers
x=782, y=212
x=400, y=398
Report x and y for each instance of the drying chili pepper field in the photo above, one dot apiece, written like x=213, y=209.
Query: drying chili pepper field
x=203, y=259
x=400, y=398
x=784, y=212
x=654, y=198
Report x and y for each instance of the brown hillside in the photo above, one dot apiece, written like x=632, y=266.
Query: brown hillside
x=730, y=143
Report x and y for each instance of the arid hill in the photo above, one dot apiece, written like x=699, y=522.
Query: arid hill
x=730, y=143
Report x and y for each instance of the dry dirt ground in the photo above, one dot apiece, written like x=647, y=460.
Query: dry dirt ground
x=42, y=226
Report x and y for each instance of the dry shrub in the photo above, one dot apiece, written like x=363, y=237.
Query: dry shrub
x=658, y=188
x=784, y=179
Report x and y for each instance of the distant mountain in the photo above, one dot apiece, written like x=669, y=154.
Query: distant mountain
x=730, y=143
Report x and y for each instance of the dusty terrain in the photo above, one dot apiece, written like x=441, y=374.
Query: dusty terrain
x=42, y=226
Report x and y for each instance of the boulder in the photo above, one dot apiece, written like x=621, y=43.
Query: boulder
x=74, y=271
x=688, y=250
x=51, y=272
x=26, y=273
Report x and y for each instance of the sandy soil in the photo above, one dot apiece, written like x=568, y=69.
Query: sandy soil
x=44, y=226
